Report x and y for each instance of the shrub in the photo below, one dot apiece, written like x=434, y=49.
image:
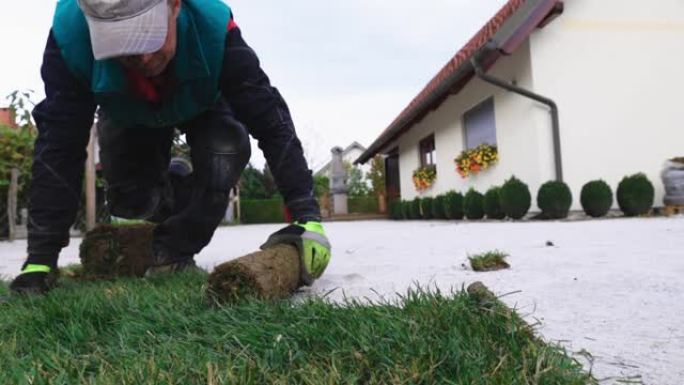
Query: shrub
x=492, y=204
x=426, y=207
x=415, y=209
x=363, y=205
x=395, y=210
x=438, y=211
x=635, y=195
x=406, y=209
x=453, y=205
x=554, y=199
x=262, y=211
x=596, y=198
x=515, y=198
x=473, y=205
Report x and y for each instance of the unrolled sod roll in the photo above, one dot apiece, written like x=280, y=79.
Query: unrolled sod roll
x=267, y=274
x=126, y=251
x=111, y=251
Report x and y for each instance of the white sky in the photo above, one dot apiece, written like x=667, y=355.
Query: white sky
x=346, y=68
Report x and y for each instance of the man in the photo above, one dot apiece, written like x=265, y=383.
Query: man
x=152, y=66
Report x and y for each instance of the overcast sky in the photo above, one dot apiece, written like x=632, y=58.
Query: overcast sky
x=346, y=68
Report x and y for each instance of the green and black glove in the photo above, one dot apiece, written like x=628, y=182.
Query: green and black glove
x=314, y=247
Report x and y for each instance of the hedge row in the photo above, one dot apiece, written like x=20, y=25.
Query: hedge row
x=364, y=205
x=262, y=211
x=635, y=196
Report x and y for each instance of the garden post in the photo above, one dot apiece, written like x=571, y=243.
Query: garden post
x=90, y=177
x=12, y=203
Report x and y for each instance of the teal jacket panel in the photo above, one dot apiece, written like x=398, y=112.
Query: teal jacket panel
x=201, y=33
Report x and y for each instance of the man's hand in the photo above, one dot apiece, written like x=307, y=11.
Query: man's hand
x=314, y=247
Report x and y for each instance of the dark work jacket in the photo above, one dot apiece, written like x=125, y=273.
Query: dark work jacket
x=65, y=116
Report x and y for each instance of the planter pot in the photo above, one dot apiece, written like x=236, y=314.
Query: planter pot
x=673, y=179
x=382, y=203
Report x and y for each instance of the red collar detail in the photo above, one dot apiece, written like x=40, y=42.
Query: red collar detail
x=142, y=87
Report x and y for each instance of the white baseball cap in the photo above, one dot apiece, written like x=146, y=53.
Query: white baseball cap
x=126, y=27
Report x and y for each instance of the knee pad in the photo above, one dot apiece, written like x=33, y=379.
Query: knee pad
x=135, y=202
x=221, y=153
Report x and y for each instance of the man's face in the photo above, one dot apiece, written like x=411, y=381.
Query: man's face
x=153, y=64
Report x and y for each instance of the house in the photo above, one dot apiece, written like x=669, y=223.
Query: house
x=349, y=154
x=7, y=117
x=571, y=90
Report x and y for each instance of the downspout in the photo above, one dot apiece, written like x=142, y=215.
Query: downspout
x=555, y=121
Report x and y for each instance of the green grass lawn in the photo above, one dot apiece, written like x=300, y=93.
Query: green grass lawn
x=163, y=331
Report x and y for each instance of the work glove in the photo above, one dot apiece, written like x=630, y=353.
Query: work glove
x=314, y=247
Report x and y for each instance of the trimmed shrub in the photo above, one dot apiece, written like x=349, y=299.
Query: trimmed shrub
x=426, y=207
x=515, y=198
x=453, y=205
x=406, y=209
x=415, y=209
x=395, y=210
x=596, y=198
x=554, y=199
x=473, y=205
x=364, y=205
x=635, y=195
x=438, y=207
x=262, y=211
x=492, y=204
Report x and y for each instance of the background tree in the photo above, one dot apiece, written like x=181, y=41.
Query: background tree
x=376, y=175
x=356, y=184
x=21, y=103
x=321, y=185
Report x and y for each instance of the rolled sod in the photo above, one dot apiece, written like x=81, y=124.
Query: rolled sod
x=111, y=251
x=267, y=274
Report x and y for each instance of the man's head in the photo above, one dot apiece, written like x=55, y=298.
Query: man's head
x=141, y=34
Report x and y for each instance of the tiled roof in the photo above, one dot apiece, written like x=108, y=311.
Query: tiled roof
x=412, y=111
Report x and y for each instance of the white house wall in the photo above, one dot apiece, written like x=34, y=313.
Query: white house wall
x=615, y=69
x=523, y=135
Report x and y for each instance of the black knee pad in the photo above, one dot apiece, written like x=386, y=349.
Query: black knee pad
x=220, y=153
x=138, y=202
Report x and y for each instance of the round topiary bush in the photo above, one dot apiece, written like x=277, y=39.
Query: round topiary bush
x=635, y=195
x=473, y=205
x=438, y=207
x=515, y=198
x=596, y=198
x=554, y=199
x=415, y=209
x=395, y=210
x=453, y=205
x=426, y=207
x=492, y=204
x=406, y=209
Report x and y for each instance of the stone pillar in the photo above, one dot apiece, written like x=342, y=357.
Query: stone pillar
x=338, y=183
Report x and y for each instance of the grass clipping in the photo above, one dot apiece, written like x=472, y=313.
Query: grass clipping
x=111, y=251
x=489, y=261
x=267, y=274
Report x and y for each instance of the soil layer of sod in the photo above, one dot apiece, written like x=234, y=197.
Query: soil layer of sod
x=164, y=331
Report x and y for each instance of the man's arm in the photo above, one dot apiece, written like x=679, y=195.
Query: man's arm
x=262, y=109
x=63, y=119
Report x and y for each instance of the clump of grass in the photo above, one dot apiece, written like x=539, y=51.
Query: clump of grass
x=489, y=261
x=162, y=330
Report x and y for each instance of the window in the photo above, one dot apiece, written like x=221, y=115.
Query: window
x=427, y=151
x=480, y=125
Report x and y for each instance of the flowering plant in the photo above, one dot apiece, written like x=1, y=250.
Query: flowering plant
x=424, y=177
x=476, y=159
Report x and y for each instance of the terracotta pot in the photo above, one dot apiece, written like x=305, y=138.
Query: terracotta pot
x=382, y=203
